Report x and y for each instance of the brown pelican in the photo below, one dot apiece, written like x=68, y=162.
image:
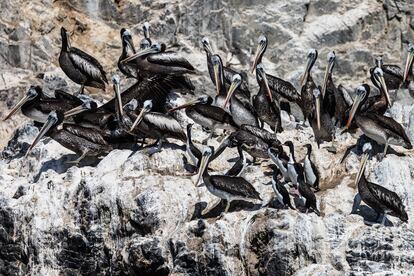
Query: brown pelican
x=225, y=187
x=379, y=128
x=228, y=73
x=382, y=200
x=158, y=126
x=281, y=192
x=37, y=106
x=157, y=60
x=342, y=105
x=409, y=62
x=380, y=103
x=310, y=170
x=203, y=113
x=328, y=87
x=81, y=140
x=308, y=86
x=266, y=136
x=267, y=108
x=261, y=49
x=242, y=114
x=79, y=66
x=393, y=74
x=129, y=69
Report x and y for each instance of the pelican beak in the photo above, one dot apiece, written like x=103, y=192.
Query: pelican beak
x=203, y=165
x=325, y=79
x=306, y=73
x=118, y=100
x=138, y=120
x=25, y=99
x=354, y=108
x=408, y=63
x=187, y=104
x=230, y=93
x=318, y=111
x=76, y=110
x=217, y=79
x=150, y=50
x=51, y=121
x=362, y=167
x=266, y=83
x=259, y=50
x=384, y=87
x=130, y=44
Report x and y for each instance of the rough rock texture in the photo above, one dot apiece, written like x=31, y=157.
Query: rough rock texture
x=130, y=214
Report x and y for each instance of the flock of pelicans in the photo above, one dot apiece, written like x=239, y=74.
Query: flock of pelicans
x=143, y=112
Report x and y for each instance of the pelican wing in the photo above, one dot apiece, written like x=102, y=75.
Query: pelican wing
x=389, y=199
x=216, y=113
x=244, y=86
x=394, y=70
x=170, y=59
x=234, y=185
x=62, y=95
x=283, y=88
x=87, y=64
x=391, y=126
x=165, y=123
x=87, y=133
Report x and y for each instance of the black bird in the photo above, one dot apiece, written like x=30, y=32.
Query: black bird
x=157, y=60
x=266, y=136
x=239, y=165
x=381, y=129
x=322, y=125
x=294, y=169
x=341, y=106
x=37, y=106
x=310, y=170
x=203, y=113
x=382, y=200
x=393, y=74
x=81, y=140
x=128, y=69
x=281, y=192
x=261, y=49
x=225, y=187
x=308, y=86
x=158, y=126
x=328, y=87
x=267, y=108
x=228, y=73
x=280, y=162
x=79, y=66
x=306, y=192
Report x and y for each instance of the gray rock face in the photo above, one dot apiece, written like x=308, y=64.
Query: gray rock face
x=131, y=214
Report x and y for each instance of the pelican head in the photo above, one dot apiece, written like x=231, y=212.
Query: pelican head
x=311, y=59
x=261, y=49
x=409, y=61
x=206, y=46
x=32, y=93
x=361, y=94
x=236, y=81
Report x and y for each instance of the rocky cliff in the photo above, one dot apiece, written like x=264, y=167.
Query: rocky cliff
x=131, y=214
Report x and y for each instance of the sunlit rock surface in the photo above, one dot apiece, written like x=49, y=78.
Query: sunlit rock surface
x=131, y=214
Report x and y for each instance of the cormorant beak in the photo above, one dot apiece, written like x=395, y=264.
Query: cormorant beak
x=187, y=104
x=150, y=50
x=138, y=120
x=384, y=87
x=234, y=85
x=266, y=83
x=259, y=51
x=75, y=110
x=318, y=111
x=306, y=73
x=203, y=165
x=217, y=78
x=362, y=167
x=25, y=99
x=408, y=63
x=357, y=102
x=118, y=100
x=51, y=121
x=325, y=79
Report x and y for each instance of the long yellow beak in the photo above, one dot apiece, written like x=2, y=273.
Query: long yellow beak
x=75, y=110
x=257, y=56
x=139, y=118
x=203, y=167
x=306, y=73
x=384, y=87
x=408, y=63
x=325, y=81
x=266, y=82
x=17, y=107
x=187, y=104
x=355, y=105
x=144, y=52
x=117, y=90
x=51, y=120
x=362, y=167
x=217, y=79
x=318, y=112
x=230, y=93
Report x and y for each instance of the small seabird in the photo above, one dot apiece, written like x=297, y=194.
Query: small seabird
x=382, y=200
x=294, y=169
x=310, y=170
x=306, y=192
x=267, y=108
x=379, y=128
x=280, y=163
x=225, y=187
x=240, y=165
x=79, y=66
x=281, y=192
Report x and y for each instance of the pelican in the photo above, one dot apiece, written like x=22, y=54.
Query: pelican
x=37, y=106
x=267, y=108
x=382, y=200
x=308, y=85
x=409, y=62
x=380, y=103
x=379, y=128
x=393, y=74
x=261, y=49
x=129, y=69
x=79, y=66
x=328, y=87
x=157, y=60
x=225, y=187
x=146, y=41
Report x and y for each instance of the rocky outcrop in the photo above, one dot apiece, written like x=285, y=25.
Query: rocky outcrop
x=131, y=214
